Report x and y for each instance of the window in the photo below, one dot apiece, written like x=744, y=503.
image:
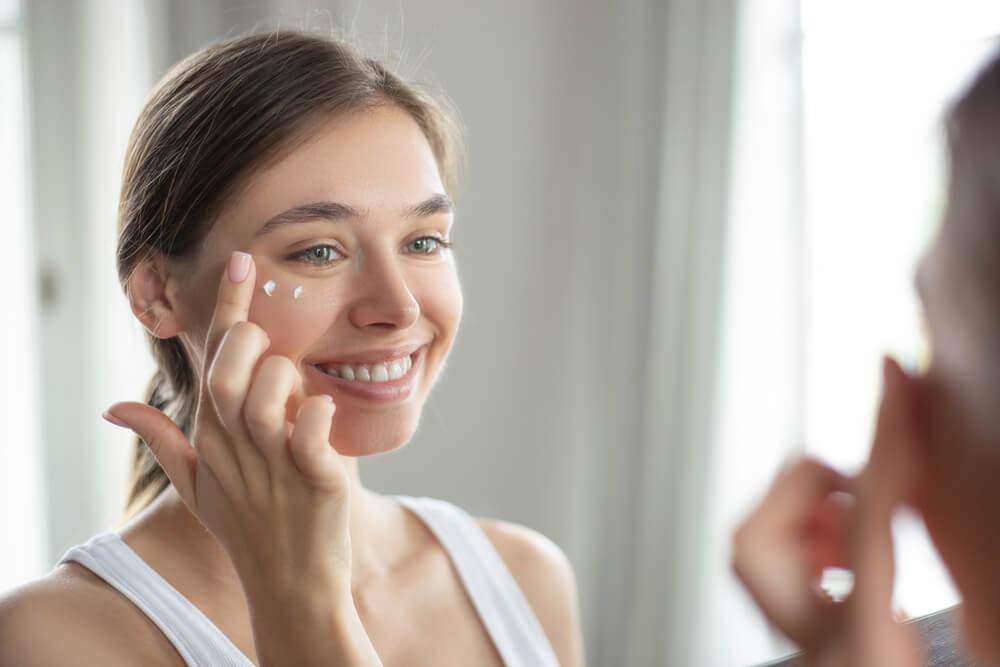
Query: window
x=876, y=79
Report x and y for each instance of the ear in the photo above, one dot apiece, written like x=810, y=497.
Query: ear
x=152, y=294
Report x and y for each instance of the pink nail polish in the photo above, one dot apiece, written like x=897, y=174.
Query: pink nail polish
x=239, y=266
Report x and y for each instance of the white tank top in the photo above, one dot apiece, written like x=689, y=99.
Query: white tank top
x=501, y=605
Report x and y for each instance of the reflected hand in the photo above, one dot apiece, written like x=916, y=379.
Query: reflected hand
x=813, y=518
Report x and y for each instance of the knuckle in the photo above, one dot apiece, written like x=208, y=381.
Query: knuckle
x=310, y=414
x=301, y=446
x=318, y=403
x=809, y=465
x=307, y=432
x=278, y=365
x=251, y=332
x=303, y=426
x=799, y=468
x=264, y=417
x=222, y=386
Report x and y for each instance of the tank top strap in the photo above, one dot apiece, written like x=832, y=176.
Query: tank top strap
x=500, y=603
x=196, y=638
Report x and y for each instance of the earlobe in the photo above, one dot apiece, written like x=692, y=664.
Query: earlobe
x=151, y=295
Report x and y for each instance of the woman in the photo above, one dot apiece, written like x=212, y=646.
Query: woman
x=936, y=448
x=284, y=226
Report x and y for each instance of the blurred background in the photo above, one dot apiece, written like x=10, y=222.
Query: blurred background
x=686, y=235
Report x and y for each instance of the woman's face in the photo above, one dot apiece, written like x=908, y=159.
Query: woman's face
x=960, y=452
x=356, y=275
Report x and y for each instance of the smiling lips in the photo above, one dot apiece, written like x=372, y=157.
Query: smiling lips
x=373, y=356
x=388, y=381
x=393, y=369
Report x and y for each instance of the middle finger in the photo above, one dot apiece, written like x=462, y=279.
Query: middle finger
x=228, y=383
x=266, y=409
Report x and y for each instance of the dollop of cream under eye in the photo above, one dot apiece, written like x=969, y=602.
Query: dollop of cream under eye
x=270, y=286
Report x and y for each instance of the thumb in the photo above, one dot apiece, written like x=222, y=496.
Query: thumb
x=167, y=443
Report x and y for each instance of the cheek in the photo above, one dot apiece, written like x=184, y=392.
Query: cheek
x=296, y=311
x=440, y=298
x=293, y=311
x=960, y=486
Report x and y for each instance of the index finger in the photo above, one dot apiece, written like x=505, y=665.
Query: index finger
x=882, y=489
x=799, y=490
x=233, y=302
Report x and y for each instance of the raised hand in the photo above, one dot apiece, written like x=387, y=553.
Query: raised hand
x=273, y=492
x=813, y=518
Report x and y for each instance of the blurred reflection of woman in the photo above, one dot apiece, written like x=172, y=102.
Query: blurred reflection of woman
x=936, y=449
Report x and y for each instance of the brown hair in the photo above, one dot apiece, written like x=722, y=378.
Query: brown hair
x=213, y=119
x=973, y=133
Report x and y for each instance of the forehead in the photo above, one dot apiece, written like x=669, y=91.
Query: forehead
x=376, y=160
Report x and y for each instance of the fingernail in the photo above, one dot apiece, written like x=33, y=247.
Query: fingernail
x=114, y=420
x=239, y=266
x=327, y=397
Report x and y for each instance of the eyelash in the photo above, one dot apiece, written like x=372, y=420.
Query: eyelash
x=301, y=255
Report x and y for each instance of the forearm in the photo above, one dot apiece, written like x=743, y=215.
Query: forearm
x=309, y=630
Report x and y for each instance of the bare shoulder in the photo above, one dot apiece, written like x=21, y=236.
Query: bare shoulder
x=71, y=617
x=545, y=576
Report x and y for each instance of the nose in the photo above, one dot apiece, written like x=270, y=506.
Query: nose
x=384, y=297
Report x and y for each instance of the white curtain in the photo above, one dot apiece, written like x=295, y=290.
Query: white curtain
x=89, y=71
x=21, y=510
x=90, y=66
x=758, y=408
x=721, y=400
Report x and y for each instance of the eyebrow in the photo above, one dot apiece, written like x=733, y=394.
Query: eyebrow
x=337, y=212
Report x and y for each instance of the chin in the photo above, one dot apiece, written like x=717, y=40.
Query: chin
x=370, y=435
x=357, y=449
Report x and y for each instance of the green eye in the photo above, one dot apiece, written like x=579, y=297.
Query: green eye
x=325, y=254
x=319, y=255
x=434, y=244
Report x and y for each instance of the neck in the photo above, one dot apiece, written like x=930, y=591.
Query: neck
x=167, y=528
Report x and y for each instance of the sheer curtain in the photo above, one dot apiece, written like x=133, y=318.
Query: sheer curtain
x=22, y=512
x=744, y=388
x=89, y=68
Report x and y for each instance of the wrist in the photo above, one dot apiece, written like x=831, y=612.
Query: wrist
x=299, y=627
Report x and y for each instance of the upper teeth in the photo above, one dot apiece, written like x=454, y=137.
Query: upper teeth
x=389, y=370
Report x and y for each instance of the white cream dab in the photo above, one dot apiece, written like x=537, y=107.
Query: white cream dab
x=269, y=287
x=297, y=292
